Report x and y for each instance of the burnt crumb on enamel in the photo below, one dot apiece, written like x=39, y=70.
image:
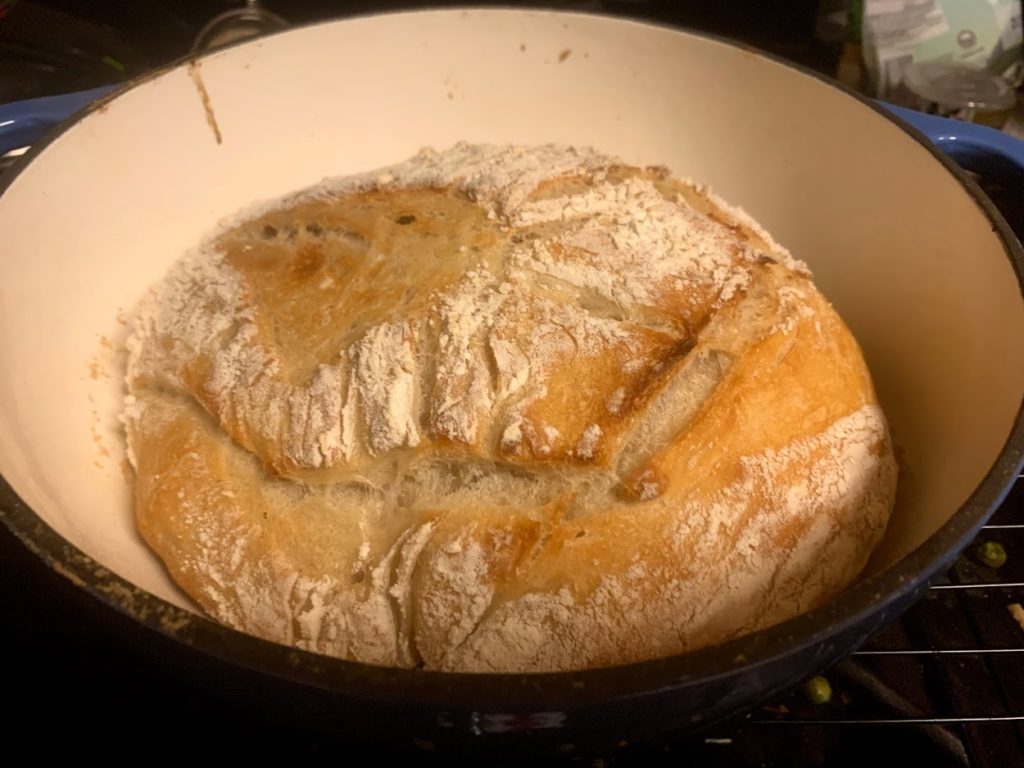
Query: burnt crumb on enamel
x=407, y=218
x=269, y=231
x=314, y=229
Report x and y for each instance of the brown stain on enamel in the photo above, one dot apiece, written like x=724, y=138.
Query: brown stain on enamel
x=204, y=97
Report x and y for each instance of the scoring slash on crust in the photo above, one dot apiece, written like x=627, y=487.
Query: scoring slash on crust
x=503, y=408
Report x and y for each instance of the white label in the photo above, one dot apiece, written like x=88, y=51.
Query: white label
x=902, y=24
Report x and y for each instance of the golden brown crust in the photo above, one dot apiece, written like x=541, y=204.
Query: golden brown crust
x=571, y=416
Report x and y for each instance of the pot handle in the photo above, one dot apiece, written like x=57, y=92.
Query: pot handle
x=975, y=147
x=23, y=123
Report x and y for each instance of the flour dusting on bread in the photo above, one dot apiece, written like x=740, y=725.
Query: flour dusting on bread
x=502, y=409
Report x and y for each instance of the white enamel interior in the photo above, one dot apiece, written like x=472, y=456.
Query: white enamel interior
x=908, y=258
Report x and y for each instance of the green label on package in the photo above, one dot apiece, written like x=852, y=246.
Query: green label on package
x=981, y=33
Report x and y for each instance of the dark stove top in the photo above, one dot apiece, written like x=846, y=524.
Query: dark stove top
x=944, y=686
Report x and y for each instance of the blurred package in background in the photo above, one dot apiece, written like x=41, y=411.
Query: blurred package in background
x=956, y=58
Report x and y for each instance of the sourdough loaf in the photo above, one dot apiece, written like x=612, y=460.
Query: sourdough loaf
x=502, y=409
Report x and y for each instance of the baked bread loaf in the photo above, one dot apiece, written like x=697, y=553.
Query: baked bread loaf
x=502, y=409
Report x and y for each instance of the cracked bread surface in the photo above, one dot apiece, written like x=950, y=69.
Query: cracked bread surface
x=502, y=409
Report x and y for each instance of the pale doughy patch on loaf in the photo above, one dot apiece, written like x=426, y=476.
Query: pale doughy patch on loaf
x=502, y=408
